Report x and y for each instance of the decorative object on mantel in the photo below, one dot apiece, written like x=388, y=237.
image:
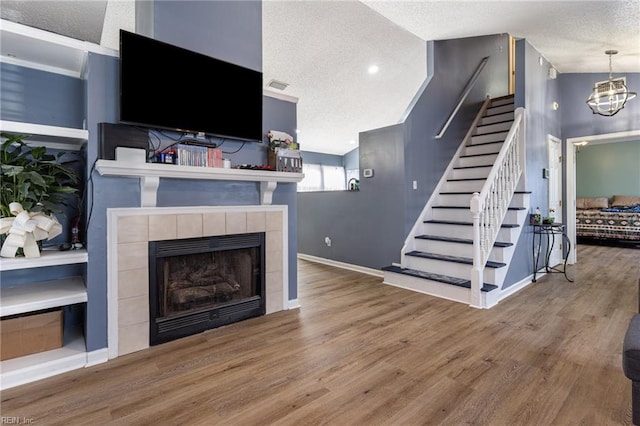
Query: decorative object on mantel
x=283, y=153
x=609, y=96
x=34, y=186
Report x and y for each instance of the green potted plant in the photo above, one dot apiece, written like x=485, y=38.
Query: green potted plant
x=40, y=182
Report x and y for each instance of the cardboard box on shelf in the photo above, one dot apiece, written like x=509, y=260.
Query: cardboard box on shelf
x=29, y=334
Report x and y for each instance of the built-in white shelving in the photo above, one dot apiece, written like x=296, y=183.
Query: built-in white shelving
x=50, y=136
x=71, y=356
x=30, y=47
x=31, y=297
x=47, y=258
x=150, y=174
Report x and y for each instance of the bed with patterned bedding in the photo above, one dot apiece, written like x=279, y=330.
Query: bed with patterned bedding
x=599, y=218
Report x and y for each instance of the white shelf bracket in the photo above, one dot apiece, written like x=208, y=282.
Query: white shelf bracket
x=149, y=190
x=266, y=192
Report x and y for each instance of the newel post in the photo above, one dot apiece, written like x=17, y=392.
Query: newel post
x=478, y=267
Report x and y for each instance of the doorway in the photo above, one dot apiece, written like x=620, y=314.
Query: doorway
x=570, y=165
x=554, y=181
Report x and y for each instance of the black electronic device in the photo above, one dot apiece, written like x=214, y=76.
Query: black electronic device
x=168, y=87
x=111, y=136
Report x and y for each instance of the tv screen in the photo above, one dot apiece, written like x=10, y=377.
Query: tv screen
x=168, y=87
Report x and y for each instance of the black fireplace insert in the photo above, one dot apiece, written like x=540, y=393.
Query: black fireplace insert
x=202, y=283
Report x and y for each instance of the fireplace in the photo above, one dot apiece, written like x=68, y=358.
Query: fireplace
x=198, y=284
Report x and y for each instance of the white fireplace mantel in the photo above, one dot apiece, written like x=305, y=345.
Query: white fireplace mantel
x=150, y=174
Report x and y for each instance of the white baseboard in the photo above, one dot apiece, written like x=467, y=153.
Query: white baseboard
x=513, y=289
x=97, y=357
x=292, y=304
x=356, y=268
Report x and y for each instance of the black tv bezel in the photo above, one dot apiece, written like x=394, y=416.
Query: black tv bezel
x=202, y=131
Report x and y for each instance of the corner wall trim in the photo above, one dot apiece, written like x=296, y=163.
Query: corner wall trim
x=356, y=268
x=97, y=357
x=292, y=304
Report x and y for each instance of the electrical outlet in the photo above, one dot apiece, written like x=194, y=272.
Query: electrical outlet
x=327, y=241
x=415, y=184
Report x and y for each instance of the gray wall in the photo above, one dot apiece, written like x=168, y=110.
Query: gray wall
x=323, y=159
x=370, y=225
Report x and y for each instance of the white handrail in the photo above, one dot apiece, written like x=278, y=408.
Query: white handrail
x=489, y=206
x=465, y=93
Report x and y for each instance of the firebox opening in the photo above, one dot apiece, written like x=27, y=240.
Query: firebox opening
x=203, y=283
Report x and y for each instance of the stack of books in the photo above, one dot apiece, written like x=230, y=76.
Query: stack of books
x=198, y=155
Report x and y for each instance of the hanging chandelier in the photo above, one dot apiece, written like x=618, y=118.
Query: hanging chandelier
x=609, y=96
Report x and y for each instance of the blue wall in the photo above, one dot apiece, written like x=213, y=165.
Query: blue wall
x=34, y=96
x=536, y=92
x=368, y=227
x=577, y=118
x=323, y=159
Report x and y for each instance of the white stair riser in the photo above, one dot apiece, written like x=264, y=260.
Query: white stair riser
x=444, y=247
x=435, y=288
x=453, y=269
x=434, y=266
x=482, y=160
x=453, y=200
x=463, y=185
x=498, y=118
x=461, y=215
x=498, y=254
x=495, y=127
x=463, y=231
x=488, y=148
x=518, y=200
x=493, y=137
x=473, y=173
x=493, y=110
x=503, y=101
x=464, y=215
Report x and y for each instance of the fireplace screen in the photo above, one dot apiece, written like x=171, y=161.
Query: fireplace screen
x=203, y=283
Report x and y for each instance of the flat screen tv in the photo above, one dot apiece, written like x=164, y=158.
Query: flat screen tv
x=168, y=87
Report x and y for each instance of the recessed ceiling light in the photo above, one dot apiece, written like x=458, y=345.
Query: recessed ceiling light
x=352, y=142
x=280, y=85
x=373, y=69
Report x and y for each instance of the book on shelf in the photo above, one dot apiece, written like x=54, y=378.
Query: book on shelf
x=199, y=156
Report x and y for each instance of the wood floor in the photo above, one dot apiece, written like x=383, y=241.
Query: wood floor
x=362, y=353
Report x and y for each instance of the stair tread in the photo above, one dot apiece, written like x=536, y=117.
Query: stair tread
x=488, y=114
x=493, y=124
x=437, y=277
x=468, y=208
x=455, y=222
x=472, y=167
x=478, y=155
x=458, y=240
x=484, y=143
x=471, y=192
x=463, y=179
x=449, y=258
x=499, y=98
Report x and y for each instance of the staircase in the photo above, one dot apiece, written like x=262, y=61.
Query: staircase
x=438, y=255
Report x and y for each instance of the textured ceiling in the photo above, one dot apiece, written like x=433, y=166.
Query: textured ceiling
x=323, y=49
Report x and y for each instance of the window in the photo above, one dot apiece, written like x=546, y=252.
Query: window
x=322, y=178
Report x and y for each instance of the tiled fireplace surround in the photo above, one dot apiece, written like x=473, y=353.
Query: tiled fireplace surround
x=129, y=231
